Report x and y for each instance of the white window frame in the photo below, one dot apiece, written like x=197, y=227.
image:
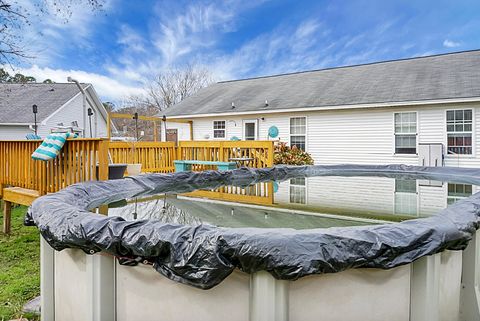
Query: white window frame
x=394, y=134
x=224, y=130
x=456, y=198
x=304, y=187
x=452, y=156
x=407, y=194
x=290, y=132
x=250, y=121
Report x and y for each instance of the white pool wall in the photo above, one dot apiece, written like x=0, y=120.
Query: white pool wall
x=95, y=287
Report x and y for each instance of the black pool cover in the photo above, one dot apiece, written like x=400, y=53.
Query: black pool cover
x=202, y=256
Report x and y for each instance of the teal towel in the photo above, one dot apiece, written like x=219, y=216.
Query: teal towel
x=51, y=146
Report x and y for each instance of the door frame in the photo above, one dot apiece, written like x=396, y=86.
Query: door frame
x=250, y=121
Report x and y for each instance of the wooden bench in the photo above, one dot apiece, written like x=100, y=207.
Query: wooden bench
x=186, y=165
x=15, y=195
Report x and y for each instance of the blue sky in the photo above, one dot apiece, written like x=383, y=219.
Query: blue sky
x=121, y=47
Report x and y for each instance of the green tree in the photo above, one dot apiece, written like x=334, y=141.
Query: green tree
x=19, y=78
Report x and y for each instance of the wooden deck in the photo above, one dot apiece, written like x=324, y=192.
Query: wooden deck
x=23, y=179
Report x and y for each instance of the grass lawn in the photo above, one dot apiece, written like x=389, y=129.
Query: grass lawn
x=19, y=266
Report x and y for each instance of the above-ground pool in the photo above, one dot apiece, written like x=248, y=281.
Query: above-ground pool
x=335, y=243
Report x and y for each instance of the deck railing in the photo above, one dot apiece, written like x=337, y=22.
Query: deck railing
x=261, y=152
x=155, y=157
x=77, y=162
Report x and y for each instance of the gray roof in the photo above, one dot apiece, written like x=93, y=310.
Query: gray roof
x=16, y=100
x=446, y=76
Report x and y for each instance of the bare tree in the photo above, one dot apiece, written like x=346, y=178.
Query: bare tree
x=15, y=17
x=174, y=85
x=164, y=91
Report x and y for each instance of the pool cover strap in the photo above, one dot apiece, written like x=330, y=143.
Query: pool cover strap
x=204, y=255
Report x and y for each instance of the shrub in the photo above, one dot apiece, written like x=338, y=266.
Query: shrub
x=287, y=155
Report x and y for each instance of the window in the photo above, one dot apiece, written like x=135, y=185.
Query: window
x=405, y=133
x=298, y=131
x=459, y=131
x=457, y=192
x=219, y=129
x=298, y=190
x=406, y=197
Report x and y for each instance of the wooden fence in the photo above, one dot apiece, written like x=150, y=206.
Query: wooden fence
x=261, y=152
x=77, y=162
x=155, y=157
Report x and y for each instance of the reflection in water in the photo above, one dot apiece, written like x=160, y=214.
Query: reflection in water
x=457, y=192
x=406, y=197
x=373, y=197
x=298, y=190
x=154, y=209
x=306, y=203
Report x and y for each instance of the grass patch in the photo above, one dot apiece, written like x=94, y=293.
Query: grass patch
x=19, y=266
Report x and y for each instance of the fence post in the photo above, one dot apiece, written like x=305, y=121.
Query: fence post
x=221, y=156
x=179, y=151
x=271, y=149
x=103, y=160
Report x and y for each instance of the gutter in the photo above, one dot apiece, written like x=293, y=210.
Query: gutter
x=329, y=108
x=17, y=124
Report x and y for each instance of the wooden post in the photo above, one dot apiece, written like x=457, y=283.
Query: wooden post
x=191, y=129
x=109, y=119
x=179, y=151
x=103, y=160
x=155, y=133
x=221, y=156
x=7, y=217
x=271, y=150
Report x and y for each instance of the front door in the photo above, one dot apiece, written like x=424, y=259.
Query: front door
x=250, y=130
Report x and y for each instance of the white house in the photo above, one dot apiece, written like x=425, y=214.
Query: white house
x=58, y=105
x=408, y=111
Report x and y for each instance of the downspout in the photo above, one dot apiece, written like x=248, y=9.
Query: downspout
x=70, y=79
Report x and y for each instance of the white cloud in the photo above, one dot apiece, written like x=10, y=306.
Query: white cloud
x=450, y=43
x=108, y=88
x=57, y=25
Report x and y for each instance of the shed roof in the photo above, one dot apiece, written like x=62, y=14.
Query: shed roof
x=445, y=76
x=16, y=100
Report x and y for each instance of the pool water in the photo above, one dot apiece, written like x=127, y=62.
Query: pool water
x=304, y=203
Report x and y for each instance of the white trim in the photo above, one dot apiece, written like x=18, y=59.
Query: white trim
x=250, y=121
x=445, y=138
x=290, y=128
x=16, y=124
x=318, y=108
x=213, y=129
x=417, y=136
x=305, y=187
x=93, y=94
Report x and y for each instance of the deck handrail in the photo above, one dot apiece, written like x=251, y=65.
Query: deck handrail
x=77, y=162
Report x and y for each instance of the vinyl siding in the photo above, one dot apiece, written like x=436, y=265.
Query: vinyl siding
x=73, y=111
x=365, y=195
x=358, y=136
x=14, y=132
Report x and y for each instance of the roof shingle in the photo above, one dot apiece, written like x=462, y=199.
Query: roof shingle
x=16, y=100
x=446, y=76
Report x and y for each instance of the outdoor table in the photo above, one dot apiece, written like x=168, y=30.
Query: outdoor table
x=241, y=161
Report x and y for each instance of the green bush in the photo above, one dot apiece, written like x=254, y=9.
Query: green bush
x=287, y=155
